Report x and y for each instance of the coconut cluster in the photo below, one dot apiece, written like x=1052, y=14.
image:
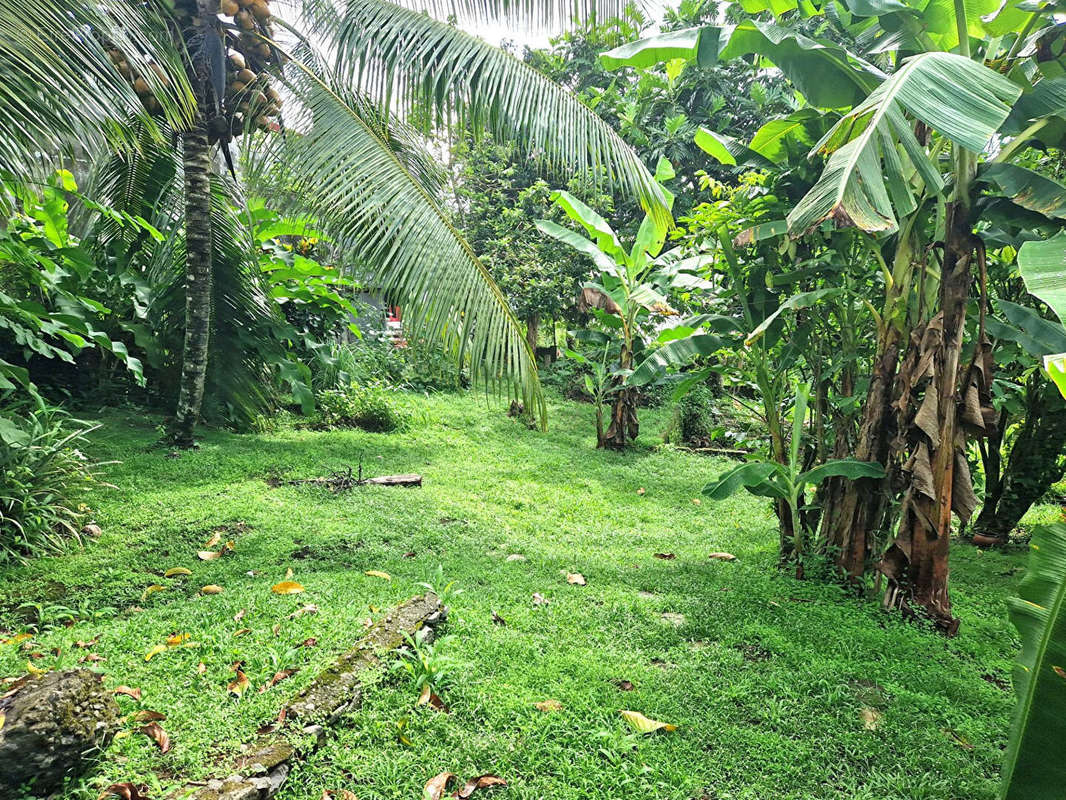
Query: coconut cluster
x=250, y=101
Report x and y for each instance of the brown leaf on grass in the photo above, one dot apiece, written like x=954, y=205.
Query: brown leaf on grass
x=209, y=555
x=548, y=706
x=242, y=631
x=624, y=686
x=722, y=556
x=539, y=599
x=640, y=491
x=666, y=556
x=211, y=588
x=146, y=715
x=339, y=794
x=155, y=732
x=438, y=785
x=309, y=608
x=216, y=537
x=310, y=641
x=287, y=587
x=276, y=630
x=129, y=691
x=480, y=782
x=279, y=676
x=871, y=718
x=201, y=668
x=88, y=644
x=576, y=579
x=958, y=739
x=498, y=620
x=240, y=615
x=438, y=705
x=127, y=791
x=92, y=658
x=410, y=554
x=238, y=684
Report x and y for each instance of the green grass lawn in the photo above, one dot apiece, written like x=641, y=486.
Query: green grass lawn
x=767, y=677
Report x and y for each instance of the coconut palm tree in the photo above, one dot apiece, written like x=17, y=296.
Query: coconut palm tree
x=355, y=71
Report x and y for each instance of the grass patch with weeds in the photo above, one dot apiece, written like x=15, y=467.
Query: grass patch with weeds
x=781, y=689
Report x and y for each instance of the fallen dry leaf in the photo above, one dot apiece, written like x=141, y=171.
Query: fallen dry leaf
x=339, y=794
x=410, y=554
x=129, y=691
x=216, y=537
x=576, y=578
x=515, y=557
x=287, y=587
x=146, y=715
x=480, y=782
x=88, y=644
x=209, y=555
x=310, y=641
x=696, y=501
x=498, y=620
x=201, y=668
x=289, y=574
x=240, y=615
x=174, y=572
x=127, y=791
x=722, y=556
x=640, y=491
x=155, y=732
x=155, y=587
x=242, y=631
x=539, y=599
x=211, y=588
x=159, y=648
x=666, y=556
x=177, y=639
x=377, y=573
x=276, y=630
x=238, y=684
x=438, y=785
x=644, y=724
x=871, y=718
x=549, y=705
x=310, y=608
x=279, y=676
x=92, y=658
x=624, y=686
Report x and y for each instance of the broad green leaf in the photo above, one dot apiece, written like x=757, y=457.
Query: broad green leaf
x=769, y=140
x=825, y=73
x=842, y=467
x=592, y=222
x=1043, y=268
x=727, y=150
x=1031, y=769
x=753, y=473
x=1036, y=335
x=1055, y=367
x=962, y=99
x=796, y=302
x=1047, y=98
x=674, y=353
x=799, y=417
x=1028, y=188
x=575, y=240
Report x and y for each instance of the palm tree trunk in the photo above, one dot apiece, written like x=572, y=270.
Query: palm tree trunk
x=198, y=273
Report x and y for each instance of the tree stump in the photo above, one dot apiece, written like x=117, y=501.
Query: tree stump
x=54, y=725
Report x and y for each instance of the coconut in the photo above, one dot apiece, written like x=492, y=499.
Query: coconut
x=263, y=49
x=245, y=21
x=161, y=74
x=229, y=7
x=273, y=96
x=246, y=76
x=260, y=10
x=237, y=86
x=124, y=70
x=141, y=87
x=237, y=60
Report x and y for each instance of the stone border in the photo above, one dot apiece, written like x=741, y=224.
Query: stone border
x=261, y=772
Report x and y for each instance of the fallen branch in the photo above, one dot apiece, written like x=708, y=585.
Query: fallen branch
x=343, y=480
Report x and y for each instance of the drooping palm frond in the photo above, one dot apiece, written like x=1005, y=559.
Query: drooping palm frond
x=342, y=168
x=424, y=66
x=59, y=88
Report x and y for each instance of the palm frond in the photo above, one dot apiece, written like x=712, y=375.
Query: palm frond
x=408, y=60
x=342, y=168
x=60, y=90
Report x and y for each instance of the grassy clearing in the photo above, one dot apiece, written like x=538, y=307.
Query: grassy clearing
x=767, y=677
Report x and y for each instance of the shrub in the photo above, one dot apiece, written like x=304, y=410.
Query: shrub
x=372, y=407
x=42, y=473
x=418, y=365
x=694, y=420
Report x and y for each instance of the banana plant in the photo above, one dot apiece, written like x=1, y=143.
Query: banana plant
x=630, y=298
x=599, y=384
x=788, y=481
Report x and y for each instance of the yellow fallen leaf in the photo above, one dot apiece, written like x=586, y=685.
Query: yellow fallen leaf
x=287, y=587
x=155, y=587
x=377, y=573
x=211, y=589
x=33, y=670
x=239, y=684
x=645, y=725
x=216, y=537
x=549, y=705
x=696, y=501
x=871, y=718
x=18, y=637
x=288, y=574
x=159, y=648
x=424, y=695
x=176, y=639
x=722, y=556
x=208, y=555
x=576, y=579
x=174, y=572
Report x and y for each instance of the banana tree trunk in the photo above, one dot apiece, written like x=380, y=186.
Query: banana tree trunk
x=1034, y=465
x=624, y=427
x=937, y=477
x=196, y=153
